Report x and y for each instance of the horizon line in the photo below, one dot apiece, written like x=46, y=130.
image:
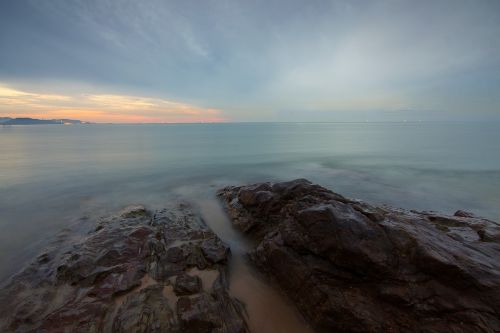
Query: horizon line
x=248, y=122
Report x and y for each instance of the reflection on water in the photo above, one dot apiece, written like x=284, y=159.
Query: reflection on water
x=52, y=175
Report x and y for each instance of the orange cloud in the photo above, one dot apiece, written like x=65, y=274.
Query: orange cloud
x=102, y=108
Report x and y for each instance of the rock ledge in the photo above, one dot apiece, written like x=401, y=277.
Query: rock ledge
x=352, y=267
x=135, y=272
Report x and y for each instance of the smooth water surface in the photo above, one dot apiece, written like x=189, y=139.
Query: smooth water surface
x=51, y=175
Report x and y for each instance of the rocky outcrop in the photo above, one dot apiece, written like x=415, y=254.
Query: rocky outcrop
x=352, y=267
x=135, y=272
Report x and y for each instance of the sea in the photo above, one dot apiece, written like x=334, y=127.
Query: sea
x=52, y=176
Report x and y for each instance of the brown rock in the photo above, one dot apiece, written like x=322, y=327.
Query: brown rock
x=114, y=278
x=462, y=213
x=352, y=267
x=145, y=311
x=214, y=250
x=187, y=285
x=201, y=314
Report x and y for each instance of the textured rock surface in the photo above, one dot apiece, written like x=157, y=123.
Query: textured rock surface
x=187, y=285
x=133, y=273
x=352, y=267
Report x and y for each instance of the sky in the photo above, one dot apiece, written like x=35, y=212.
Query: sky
x=229, y=60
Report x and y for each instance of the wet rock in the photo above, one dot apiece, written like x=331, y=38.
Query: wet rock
x=114, y=278
x=214, y=250
x=134, y=211
x=462, y=213
x=352, y=267
x=187, y=285
x=145, y=311
x=195, y=256
x=175, y=255
x=200, y=313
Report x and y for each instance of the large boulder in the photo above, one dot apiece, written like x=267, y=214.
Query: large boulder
x=126, y=275
x=352, y=267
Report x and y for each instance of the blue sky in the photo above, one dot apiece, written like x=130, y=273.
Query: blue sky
x=170, y=61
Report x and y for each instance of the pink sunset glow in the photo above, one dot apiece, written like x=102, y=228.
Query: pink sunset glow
x=102, y=108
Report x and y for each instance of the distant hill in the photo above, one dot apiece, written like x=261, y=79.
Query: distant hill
x=32, y=121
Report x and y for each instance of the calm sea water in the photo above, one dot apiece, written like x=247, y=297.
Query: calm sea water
x=51, y=175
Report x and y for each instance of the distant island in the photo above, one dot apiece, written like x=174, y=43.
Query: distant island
x=32, y=121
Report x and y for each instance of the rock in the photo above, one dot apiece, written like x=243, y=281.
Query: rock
x=187, y=285
x=214, y=250
x=201, y=314
x=462, y=213
x=145, y=311
x=117, y=278
x=195, y=314
x=134, y=211
x=352, y=267
x=175, y=254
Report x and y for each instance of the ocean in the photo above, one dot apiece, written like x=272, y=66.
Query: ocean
x=53, y=175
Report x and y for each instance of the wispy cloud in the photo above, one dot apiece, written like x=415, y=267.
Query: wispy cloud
x=258, y=58
x=101, y=107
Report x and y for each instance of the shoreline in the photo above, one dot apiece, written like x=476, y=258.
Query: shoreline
x=261, y=212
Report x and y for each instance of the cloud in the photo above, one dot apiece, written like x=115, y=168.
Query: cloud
x=256, y=58
x=101, y=107
x=382, y=56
